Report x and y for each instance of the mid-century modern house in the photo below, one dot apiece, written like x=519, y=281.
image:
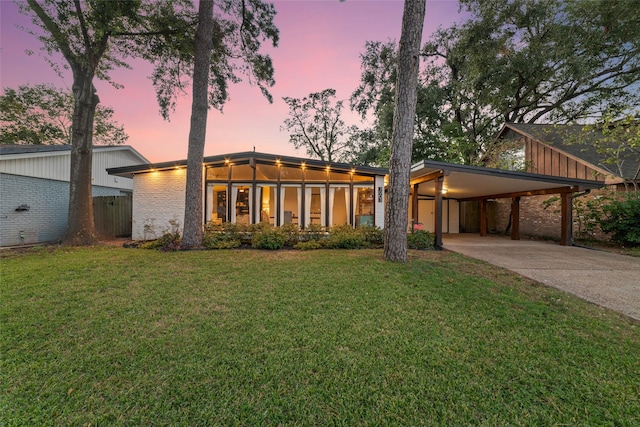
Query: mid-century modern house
x=34, y=188
x=253, y=187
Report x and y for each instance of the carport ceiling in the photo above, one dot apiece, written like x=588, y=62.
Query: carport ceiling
x=474, y=182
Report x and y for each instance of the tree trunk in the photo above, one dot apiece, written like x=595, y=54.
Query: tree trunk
x=192, y=235
x=81, y=229
x=396, y=212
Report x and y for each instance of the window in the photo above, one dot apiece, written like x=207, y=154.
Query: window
x=267, y=203
x=241, y=173
x=219, y=208
x=266, y=172
x=241, y=203
x=290, y=174
x=218, y=174
x=290, y=204
x=364, y=206
x=315, y=175
x=314, y=200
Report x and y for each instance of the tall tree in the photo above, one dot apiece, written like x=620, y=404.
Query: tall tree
x=521, y=61
x=42, y=114
x=93, y=38
x=192, y=234
x=227, y=41
x=396, y=211
x=315, y=124
x=531, y=61
x=98, y=36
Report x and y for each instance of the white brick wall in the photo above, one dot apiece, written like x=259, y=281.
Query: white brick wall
x=158, y=203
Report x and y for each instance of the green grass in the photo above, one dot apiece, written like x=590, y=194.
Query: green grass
x=113, y=336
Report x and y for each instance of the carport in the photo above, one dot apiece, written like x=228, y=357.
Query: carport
x=441, y=181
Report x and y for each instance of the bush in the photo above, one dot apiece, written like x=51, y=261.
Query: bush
x=224, y=236
x=345, y=237
x=420, y=239
x=312, y=232
x=167, y=242
x=291, y=233
x=308, y=245
x=622, y=219
x=373, y=236
x=269, y=238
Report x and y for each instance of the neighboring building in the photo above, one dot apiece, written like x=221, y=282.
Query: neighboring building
x=252, y=187
x=564, y=151
x=34, y=188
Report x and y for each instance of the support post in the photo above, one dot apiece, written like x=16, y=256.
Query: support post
x=483, y=217
x=414, y=207
x=438, y=212
x=566, y=231
x=515, y=218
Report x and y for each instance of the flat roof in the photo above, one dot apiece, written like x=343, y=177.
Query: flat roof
x=475, y=182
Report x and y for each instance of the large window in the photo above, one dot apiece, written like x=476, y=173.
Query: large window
x=218, y=174
x=363, y=206
x=314, y=205
x=290, y=204
x=267, y=204
x=219, y=204
x=241, y=201
x=266, y=172
x=338, y=205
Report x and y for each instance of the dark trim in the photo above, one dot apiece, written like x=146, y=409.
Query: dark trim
x=481, y=170
x=248, y=158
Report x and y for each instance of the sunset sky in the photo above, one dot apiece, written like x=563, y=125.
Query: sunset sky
x=320, y=46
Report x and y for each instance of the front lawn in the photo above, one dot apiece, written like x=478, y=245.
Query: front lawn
x=114, y=336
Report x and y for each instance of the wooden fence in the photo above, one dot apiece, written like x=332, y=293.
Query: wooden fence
x=112, y=215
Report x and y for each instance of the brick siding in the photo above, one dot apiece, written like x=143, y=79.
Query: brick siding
x=48, y=201
x=158, y=203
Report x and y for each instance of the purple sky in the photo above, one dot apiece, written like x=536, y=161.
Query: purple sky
x=320, y=46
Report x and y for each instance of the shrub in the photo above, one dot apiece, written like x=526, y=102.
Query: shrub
x=291, y=233
x=308, y=245
x=373, y=236
x=420, y=239
x=622, y=219
x=167, y=242
x=223, y=236
x=345, y=237
x=312, y=232
x=269, y=238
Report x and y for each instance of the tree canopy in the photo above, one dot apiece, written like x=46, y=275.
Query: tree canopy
x=97, y=36
x=315, y=124
x=523, y=61
x=42, y=114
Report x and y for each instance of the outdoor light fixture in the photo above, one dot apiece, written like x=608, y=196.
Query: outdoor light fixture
x=444, y=191
x=22, y=208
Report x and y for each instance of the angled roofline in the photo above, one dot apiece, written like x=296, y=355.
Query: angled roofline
x=246, y=156
x=481, y=170
x=11, y=152
x=610, y=177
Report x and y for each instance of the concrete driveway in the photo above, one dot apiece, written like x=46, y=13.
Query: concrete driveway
x=603, y=278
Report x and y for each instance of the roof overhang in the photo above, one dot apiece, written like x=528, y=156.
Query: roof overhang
x=464, y=182
x=249, y=157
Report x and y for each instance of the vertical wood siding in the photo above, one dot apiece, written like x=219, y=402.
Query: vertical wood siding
x=544, y=160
